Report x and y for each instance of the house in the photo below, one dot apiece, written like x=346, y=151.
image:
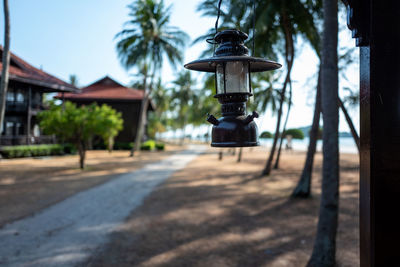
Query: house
x=24, y=100
x=123, y=99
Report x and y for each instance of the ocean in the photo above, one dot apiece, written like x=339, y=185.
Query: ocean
x=346, y=144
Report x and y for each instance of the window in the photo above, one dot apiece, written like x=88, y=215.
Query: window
x=19, y=127
x=9, y=128
x=20, y=97
x=36, y=99
x=10, y=95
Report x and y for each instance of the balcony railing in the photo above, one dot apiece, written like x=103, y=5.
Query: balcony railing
x=23, y=107
x=26, y=140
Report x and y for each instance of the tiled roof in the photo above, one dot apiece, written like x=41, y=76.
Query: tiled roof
x=21, y=71
x=105, y=89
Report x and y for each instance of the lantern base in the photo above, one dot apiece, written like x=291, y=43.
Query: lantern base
x=235, y=131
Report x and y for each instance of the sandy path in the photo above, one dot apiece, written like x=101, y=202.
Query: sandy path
x=221, y=213
x=69, y=232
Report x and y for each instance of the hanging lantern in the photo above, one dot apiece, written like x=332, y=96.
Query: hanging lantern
x=233, y=66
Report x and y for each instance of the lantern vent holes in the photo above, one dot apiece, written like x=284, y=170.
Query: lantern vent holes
x=233, y=109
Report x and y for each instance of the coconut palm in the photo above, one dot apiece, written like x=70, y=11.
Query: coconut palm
x=325, y=241
x=146, y=39
x=282, y=22
x=5, y=63
x=73, y=80
x=303, y=188
x=183, y=97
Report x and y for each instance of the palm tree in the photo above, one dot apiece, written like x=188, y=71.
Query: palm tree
x=183, y=98
x=158, y=120
x=146, y=39
x=276, y=165
x=281, y=22
x=325, y=242
x=303, y=188
x=6, y=64
x=73, y=79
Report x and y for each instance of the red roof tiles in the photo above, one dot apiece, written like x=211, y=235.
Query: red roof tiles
x=105, y=89
x=21, y=71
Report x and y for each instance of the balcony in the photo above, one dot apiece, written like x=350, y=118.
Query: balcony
x=16, y=106
x=22, y=107
x=26, y=140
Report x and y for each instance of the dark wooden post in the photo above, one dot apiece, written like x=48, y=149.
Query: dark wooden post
x=29, y=116
x=63, y=101
x=375, y=25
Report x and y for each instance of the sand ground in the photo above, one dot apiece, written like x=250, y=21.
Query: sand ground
x=32, y=184
x=71, y=231
x=220, y=213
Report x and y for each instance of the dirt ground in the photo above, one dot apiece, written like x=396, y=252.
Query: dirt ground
x=31, y=184
x=220, y=213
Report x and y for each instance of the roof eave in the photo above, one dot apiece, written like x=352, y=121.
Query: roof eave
x=53, y=87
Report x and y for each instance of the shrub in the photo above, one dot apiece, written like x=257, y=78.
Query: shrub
x=160, y=146
x=31, y=151
x=148, y=145
x=295, y=133
x=69, y=148
x=123, y=145
x=266, y=134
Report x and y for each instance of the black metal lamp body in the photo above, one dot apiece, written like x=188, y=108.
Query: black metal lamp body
x=233, y=67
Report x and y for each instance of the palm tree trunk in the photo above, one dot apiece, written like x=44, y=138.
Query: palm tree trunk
x=141, y=125
x=220, y=155
x=303, y=188
x=82, y=154
x=276, y=165
x=289, y=61
x=240, y=154
x=142, y=114
x=351, y=125
x=325, y=242
x=184, y=129
x=6, y=64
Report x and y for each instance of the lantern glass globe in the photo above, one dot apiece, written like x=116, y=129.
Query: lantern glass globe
x=232, y=77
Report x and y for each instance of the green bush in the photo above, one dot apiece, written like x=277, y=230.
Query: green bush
x=69, y=149
x=148, y=145
x=160, y=146
x=123, y=145
x=31, y=151
x=266, y=134
x=295, y=133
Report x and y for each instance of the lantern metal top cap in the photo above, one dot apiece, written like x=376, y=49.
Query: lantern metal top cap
x=231, y=48
x=231, y=35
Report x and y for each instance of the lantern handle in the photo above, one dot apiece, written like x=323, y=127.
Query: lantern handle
x=211, y=119
x=250, y=118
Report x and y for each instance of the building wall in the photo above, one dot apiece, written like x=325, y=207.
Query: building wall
x=17, y=112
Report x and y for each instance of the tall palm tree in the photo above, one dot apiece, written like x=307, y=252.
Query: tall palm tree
x=183, y=98
x=276, y=165
x=146, y=39
x=303, y=188
x=73, y=79
x=325, y=242
x=282, y=21
x=6, y=64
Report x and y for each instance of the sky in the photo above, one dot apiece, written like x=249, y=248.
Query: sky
x=77, y=37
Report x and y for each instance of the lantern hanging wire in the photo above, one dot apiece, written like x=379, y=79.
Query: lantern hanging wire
x=214, y=43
